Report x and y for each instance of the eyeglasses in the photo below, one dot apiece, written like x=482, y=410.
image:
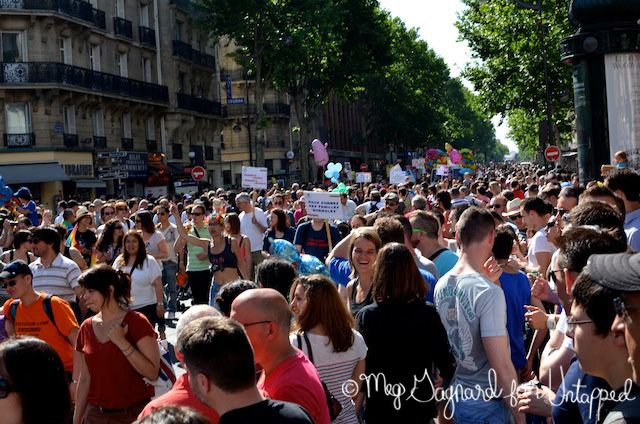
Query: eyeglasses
x=559, y=211
x=391, y=204
x=9, y=283
x=196, y=213
x=5, y=388
x=256, y=323
x=496, y=207
x=622, y=310
x=161, y=214
x=552, y=276
x=572, y=324
x=109, y=213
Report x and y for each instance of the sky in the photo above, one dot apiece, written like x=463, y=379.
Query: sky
x=435, y=20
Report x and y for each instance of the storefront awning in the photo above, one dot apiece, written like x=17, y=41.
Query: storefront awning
x=90, y=183
x=33, y=173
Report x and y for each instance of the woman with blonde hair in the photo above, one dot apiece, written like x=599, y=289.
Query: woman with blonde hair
x=324, y=332
x=363, y=250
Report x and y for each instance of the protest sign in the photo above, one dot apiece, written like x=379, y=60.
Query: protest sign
x=363, y=177
x=253, y=177
x=323, y=205
x=442, y=170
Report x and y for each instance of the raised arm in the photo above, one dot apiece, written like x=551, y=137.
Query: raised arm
x=200, y=242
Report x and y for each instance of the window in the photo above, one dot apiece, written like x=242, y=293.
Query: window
x=98, y=123
x=17, y=120
x=94, y=57
x=182, y=80
x=13, y=47
x=123, y=65
x=144, y=15
x=151, y=128
x=126, y=125
x=146, y=70
x=65, y=50
x=69, y=115
x=120, y=8
x=178, y=34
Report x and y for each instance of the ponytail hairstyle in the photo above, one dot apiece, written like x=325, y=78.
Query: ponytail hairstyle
x=101, y=277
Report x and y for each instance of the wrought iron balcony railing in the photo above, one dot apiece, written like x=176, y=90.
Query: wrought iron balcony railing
x=74, y=8
x=123, y=27
x=127, y=143
x=70, y=141
x=25, y=73
x=198, y=104
x=147, y=36
x=185, y=51
x=99, y=142
x=20, y=140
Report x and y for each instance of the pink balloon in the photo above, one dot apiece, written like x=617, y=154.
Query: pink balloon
x=455, y=156
x=320, y=154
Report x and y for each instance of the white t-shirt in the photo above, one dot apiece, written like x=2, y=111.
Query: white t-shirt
x=335, y=368
x=142, y=291
x=171, y=235
x=249, y=229
x=539, y=244
x=348, y=210
x=152, y=244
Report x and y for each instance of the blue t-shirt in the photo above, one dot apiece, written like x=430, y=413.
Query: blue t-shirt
x=565, y=408
x=431, y=284
x=445, y=261
x=314, y=242
x=517, y=293
x=32, y=215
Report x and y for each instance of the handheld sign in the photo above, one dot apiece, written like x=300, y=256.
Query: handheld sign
x=397, y=176
x=323, y=205
x=442, y=170
x=363, y=177
x=253, y=177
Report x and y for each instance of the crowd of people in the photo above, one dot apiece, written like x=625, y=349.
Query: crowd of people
x=509, y=296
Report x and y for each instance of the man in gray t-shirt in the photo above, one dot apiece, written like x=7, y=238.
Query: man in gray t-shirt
x=474, y=313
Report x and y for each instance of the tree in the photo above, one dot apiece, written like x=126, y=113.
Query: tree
x=508, y=40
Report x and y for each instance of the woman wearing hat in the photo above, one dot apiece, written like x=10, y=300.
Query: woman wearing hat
x=85, y=238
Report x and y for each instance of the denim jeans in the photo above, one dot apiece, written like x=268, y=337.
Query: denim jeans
x=169, y=270
x=213, y=292
x=481, y=412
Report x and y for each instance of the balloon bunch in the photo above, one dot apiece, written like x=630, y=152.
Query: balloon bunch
x=305, y=264
x=468, y=160
x=333, y=171
x=6, y=194
x=435, y=157
x=341, y=188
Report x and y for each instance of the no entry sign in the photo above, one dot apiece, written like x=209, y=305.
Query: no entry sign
x=198, y=173
x=552, y=153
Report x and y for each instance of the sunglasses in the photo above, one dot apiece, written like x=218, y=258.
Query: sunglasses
x=161, y=214
x=109, y=213
x=5, y=388
x=9, y=283
x=196, y=213
x=496, y=206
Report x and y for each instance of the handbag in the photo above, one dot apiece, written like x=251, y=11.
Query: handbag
x=334, y=405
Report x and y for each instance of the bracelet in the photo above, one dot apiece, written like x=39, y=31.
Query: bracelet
x=130, y=353
x=160, y=304
x=126, y=349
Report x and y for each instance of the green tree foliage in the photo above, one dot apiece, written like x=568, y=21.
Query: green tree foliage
x=508, y=38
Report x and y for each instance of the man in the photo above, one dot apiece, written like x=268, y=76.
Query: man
x=287, y=374
x=473, y=311
x=621, y=272
x=536, y=214
x=276, y=274
x=625, y=183
x=498, y=204
x=181, y=394
x=122, y=215
x=27, y=206
x=425, y=237
x=367, y=208
x=53, y=273
x=391, y=202
x=97, y=216
x=31, y=313
x=62, y=205
x=253, y=224
x=347, y=207
x=312, y=238
x=418, y=203
x=221, y=369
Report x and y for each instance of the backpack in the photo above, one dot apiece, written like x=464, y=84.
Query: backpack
x=373, y=206
x=48, y=310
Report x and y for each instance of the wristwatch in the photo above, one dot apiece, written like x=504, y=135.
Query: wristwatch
x=551, y=322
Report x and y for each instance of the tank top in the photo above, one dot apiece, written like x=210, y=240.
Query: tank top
x=224, y=259
x=355, y=306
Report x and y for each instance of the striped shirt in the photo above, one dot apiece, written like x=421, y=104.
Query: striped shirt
x=58, y=279
x=335, y=368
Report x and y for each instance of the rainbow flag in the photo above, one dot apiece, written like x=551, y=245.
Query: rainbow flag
x=71, y=239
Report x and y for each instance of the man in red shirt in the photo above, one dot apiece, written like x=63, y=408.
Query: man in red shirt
x=181, y=393
x=287, y=374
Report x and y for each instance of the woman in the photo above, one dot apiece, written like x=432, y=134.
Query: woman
x=223, y=253
x=196, y=259
x=119, y=352
x=85, y=237
x=279, y=229
x=169, y=265
x=154, y=242
x=325, y=334
x=22, y=245
x=300, y=209
x=109, y=245
x=363, y=250
x=405, y=338
x=357, y=221
x=243, y=244
x=146, y=277
x=33, y=383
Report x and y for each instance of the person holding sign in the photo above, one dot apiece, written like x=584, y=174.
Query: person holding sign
x=316, y=237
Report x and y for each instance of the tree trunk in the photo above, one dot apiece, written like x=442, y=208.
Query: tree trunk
x=305, y=139
x=260, y=113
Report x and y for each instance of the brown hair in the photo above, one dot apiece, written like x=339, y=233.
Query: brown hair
x=366, y=233
x=325, y=307
x=474, y=226
x=101, y=277
x=234, y=223
x=142, y=251
x=281, y=225
x=396, y=277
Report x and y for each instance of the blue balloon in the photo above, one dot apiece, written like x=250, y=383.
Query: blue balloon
x=284, y=249
x=310, y=265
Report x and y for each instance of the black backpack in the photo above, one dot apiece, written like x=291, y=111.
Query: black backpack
x=48, y=310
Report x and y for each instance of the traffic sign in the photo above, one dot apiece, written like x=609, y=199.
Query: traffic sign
x=114, y=176
x=198, y=173
x=364, y=167
x=552, y=153
x=103, y=155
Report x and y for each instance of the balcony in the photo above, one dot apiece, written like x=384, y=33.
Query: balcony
x=127, y=143
x=238, y=110
x=185, y=5
x=123, y=27
x=235, y=75
x=152, y=145
x=18, y=74
x=198, y=104
x=185, y=51
x=70, y=141
x=176, y=151
x=147, y=36
x=277, y=109
x=99, y=142
x=208, y=152
x=20, y=140
x=73, y=8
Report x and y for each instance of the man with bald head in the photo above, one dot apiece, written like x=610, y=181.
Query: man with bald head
x=287, y=374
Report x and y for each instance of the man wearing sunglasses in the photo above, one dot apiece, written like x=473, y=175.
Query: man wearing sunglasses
x=32, y=313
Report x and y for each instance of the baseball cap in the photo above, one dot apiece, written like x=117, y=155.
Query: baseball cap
x=14, y=269
x=391, y=197
x=618, y=271
x=23, y=192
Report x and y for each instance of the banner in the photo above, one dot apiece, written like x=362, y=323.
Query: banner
x=397, y=176
x=442, y=170
x=363, y=177
x=253, y=177
x=323, y=205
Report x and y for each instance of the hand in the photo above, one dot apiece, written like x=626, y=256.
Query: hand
x=173, y=209
x=536, y=317
x=160, y=311
x=7, y=225
x=117, y=335
x=541, y=289
x=492, y=269
x=182, y=268
x=438, y=381
x=535, y=400
x=202, y=256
